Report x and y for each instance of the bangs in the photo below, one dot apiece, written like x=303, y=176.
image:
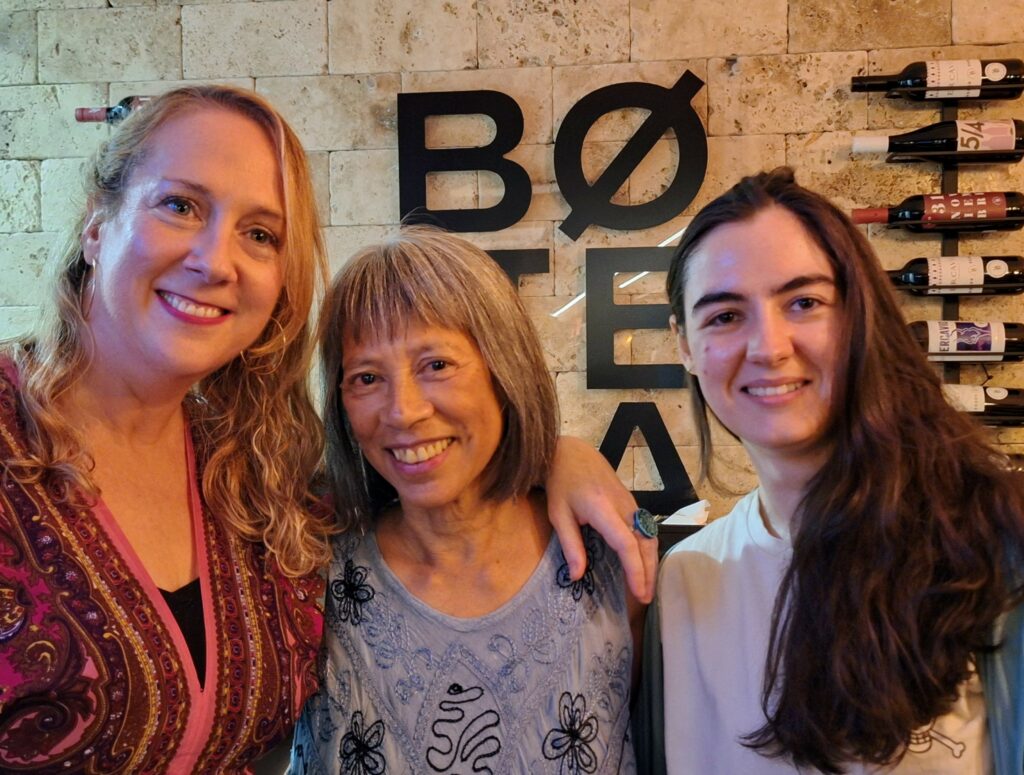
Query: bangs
x=390, y=287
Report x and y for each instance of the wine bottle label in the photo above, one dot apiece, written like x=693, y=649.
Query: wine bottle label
x=956, y=274
x=964, y=207
x=997, y=268
x=942, y=75
x=997, y=393
x=958, y=340
x=965, y=398
x=1000, y=135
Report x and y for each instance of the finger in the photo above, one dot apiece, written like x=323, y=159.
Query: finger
x=649, y=553
x=569, y=537
x=627, y=544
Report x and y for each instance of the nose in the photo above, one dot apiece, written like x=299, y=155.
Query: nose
x=407, y=404
x=212, y=254
x=771, y=339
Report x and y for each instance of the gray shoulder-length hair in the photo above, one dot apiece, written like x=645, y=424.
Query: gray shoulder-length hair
x=427, y=276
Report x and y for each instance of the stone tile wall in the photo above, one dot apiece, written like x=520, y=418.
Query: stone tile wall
x=777, y=92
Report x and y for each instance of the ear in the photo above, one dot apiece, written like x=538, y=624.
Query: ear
x=90, y=237
x=681, y=342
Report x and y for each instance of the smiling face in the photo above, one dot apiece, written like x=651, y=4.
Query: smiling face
x=188, y=270
x=762, y=319
x=423, y=408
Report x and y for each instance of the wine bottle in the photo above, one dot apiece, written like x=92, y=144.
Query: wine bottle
x=954, y=79
x=992, y=405
x=1001, y=140
x=947, y=275
x=114, y=114
x=965, y=341
x=981, y=211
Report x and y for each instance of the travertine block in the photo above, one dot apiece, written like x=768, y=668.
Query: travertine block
x=987, y=21
x=449, y=190
x=570, y=257
x=41, y=5
x=320, y=173
x=121, y=89
x=571, y=84
x=588, y=413
x=706, y=28
x=625, y=470
x=19, y=204
x=816, y=26
x=546, y=203
x=561, y=337
x=885, y=113
x=729, y=159
x=17, y=48
x=62, y=192
x=364, y=187
x=337, y=112
x=530, y=87
x=38, y=122
x=23, y=257
x=823, y=162
x=511, y=33
x=79, y=46
x=400, y=35
x=525, y=234
x=261, y=39
x=16, y=321
x=783, y=94
x=344, y=241
x=653, y=346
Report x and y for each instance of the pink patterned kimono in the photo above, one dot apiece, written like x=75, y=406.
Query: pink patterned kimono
x=95, y=676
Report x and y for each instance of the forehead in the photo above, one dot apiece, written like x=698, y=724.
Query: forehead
x=753, y=256
x=220, y=149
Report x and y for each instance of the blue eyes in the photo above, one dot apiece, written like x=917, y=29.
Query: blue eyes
x=178, y=206
x=182, y=207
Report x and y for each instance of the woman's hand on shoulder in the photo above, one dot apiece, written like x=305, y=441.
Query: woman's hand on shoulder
x=584, y=490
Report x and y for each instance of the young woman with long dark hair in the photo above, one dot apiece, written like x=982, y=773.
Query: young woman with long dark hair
x=859, y=611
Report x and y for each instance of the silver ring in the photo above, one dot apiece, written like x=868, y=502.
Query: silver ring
x=645, y=524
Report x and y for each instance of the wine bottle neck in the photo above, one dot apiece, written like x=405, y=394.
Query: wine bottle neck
x=872, y=83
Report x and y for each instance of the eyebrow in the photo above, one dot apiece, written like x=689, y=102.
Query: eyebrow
x=199, y=188
x=800, y=281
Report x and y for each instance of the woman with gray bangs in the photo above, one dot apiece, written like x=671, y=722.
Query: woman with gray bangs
x=455, y=635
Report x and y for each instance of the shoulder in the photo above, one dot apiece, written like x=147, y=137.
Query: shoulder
x=719, y=538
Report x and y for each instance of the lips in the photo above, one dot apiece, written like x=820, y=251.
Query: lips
x=420, y=453
x=191, y=308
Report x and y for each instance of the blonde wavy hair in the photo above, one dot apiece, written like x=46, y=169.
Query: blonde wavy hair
x=258, y=438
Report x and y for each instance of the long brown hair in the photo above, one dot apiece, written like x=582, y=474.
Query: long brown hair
x=905, y=540
x=258, y=434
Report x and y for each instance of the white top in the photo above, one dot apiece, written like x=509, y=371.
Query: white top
x=716, y=593
x=870, y=144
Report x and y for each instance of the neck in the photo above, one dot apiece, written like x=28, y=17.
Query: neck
x=469, y=534
x=783, y=482
x=141, y=413
x=466, y=562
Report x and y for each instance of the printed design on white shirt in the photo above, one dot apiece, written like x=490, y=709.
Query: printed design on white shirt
x=921, y=741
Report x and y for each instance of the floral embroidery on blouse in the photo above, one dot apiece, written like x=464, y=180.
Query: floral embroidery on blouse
x=351, y=592
x=570, y=743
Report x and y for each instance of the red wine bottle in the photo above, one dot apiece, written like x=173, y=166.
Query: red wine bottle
x=981, y=211
x=1001, y=140
x=954, y=79
x=948, y=275
x=990, y=404
x=969, y=342
x=114, y=114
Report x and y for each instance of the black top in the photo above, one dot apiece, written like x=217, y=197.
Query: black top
x=186, y=604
